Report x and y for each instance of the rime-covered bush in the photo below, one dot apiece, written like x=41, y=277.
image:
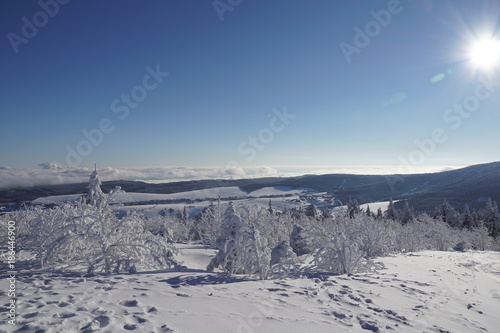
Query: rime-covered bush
x=337, y=245
x=440, y=236
x=282, y=252
x=86, y=236
x=298, y=240
x=209, y=224
x=376, y=238
x=410, y=237
x=275, y=228
x=478, y=238
x=161, y=226
x=242, y=250
x=173, y=228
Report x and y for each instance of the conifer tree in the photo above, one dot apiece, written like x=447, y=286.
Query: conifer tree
x=407, y=215
x=467, y=218
x=95, y=196
x=391, y=212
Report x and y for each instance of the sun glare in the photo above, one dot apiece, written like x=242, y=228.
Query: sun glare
x=485, y=53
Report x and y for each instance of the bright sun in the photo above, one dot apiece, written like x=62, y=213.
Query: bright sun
x=485, y=53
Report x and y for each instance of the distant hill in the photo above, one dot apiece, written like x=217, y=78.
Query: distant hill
x=472, y=185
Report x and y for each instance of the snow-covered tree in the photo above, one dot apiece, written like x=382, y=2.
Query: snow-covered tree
x=95, y=196
x=353, y=208
x=326, y=213
x=368, y=212
x=337, y=246
x=467, y=218
x=282, y=251
x=74, y=236
x=407, y=214
x=311, y=211
x=270, y=209
x=242, y=250
x=298, y=240
x=491, y=217
x=446, y=213
x=88, y=234
x=391, y=212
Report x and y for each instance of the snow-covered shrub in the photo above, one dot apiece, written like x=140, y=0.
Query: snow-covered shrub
x=209, y=224
x=282, y=251
x=440, y=236
x=337, y=245
x=479, y=238
x=275, y=228
x=375, y=237
x=410, y=237
x=284, y=261
x=298, y=240
x=160, y=225
x=495, y=246
x=462, y=246
x=241, y=248
x=243, y=253
x=85, y=236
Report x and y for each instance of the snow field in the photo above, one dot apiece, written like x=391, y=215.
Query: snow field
x=213, y=194
x=424, y=292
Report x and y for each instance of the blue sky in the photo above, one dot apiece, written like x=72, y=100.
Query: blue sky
x=229, y=79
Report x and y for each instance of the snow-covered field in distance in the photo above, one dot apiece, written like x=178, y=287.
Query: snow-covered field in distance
x=423, y=292
x=206, y=194
x=281, y=198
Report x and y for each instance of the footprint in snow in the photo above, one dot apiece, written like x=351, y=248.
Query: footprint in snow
x=30, y=315
x=140, y=320
x=130, y=303
x=130, y=327
x=152, y=310
x=368, y=325
x=67, y=315
x=96, y=324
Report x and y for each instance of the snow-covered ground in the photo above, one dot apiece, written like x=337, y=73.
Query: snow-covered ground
x=374, y=206
x=282, y=198
x=130, y=197
x=421, y=292
x=206, y=194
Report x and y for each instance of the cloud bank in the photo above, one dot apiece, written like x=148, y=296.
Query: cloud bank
x=50, y=173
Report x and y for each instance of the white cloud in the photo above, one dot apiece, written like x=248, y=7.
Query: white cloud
x=50, y=166
x=51, y=173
